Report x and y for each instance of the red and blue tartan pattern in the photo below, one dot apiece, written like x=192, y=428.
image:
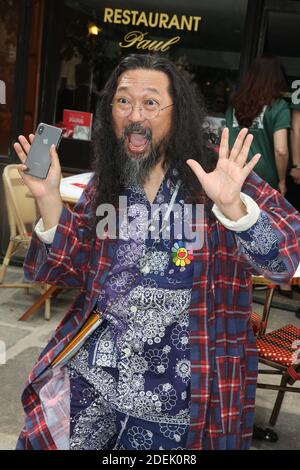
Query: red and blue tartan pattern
x=223, y=351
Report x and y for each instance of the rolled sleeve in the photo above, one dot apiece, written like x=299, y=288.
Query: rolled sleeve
x=245, y=222
x=46, y=236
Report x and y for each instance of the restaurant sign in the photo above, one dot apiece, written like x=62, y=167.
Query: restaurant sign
x=155, y=20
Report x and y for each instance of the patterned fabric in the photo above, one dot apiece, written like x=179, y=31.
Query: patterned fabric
x=102, y=394
x=223, y=351
x=256, y=322
x=281, y=345
x=137, y=361
x=105, y=428
x=261, y=244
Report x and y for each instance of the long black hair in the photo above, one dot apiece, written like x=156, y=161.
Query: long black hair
x=186, y=138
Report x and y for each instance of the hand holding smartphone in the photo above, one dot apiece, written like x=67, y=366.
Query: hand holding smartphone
x=43, y=180
x=38, y=159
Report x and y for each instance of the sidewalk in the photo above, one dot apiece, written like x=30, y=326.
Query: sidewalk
x=25, y=340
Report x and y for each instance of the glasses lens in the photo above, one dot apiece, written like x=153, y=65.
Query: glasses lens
x=123, y=108
x=150, y=114
x=150, y=109
x=147, y=110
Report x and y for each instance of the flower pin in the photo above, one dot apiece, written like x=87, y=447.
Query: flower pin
x=180, y=255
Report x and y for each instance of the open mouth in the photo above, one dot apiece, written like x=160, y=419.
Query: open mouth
x=137, y=142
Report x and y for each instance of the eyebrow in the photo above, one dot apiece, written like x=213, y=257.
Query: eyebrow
x=148, y=89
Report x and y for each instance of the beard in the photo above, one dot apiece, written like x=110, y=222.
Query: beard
x=135, y=167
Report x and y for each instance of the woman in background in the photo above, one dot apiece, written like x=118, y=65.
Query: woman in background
x=258, y=105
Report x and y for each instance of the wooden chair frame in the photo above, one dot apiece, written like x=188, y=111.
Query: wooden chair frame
x=21, y=213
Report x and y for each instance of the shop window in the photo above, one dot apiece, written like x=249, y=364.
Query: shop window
x=203, y=37
x=282, y=38
x=8, y=46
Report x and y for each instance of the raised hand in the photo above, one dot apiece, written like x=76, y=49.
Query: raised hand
x=45, y=191
x=39, y=187
x=223, y=185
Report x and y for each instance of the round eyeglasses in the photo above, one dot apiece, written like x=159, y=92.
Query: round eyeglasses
x=149, y=109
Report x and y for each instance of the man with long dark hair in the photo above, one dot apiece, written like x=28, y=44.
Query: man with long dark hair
x=172, y=363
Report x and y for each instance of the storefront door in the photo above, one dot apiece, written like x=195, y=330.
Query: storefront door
x=280, y=35
x=20, y=42
x=8, y=52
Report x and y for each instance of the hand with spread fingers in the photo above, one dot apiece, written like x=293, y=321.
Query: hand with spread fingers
x=223, y=185
x=45, y=191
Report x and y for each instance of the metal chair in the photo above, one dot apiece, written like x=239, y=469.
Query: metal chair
x=278, y=349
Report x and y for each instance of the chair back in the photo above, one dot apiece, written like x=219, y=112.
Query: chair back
x=21, y=209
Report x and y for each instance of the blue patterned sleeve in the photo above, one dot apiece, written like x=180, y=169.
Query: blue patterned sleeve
x=259, y=244
x=271, y=246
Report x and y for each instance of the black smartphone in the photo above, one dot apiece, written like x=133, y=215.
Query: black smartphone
x=38, y=159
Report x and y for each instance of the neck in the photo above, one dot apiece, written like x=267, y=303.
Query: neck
x=154, y=180
x=157, y=173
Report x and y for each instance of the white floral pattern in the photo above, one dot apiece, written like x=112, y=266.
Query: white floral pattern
x=172, y=431
x=155, y=261
x=128, y=254
x=155, y=311
x=141, y=439
x=259, y=242
x=94, y=427
x=120, y=281
x=157, y=360
x=183, y=369
x=262, y=237
x=129, y=362
x=180, y=337
x=135, y=225
x=166, y=395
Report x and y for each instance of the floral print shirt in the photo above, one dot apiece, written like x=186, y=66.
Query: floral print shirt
x=139, y=357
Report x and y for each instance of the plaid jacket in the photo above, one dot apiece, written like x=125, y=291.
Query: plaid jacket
x=223, y=351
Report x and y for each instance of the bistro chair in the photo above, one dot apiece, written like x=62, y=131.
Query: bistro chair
x=278, y=349
x=21, y=213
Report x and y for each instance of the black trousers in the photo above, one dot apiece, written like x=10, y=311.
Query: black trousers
x=293, y=193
